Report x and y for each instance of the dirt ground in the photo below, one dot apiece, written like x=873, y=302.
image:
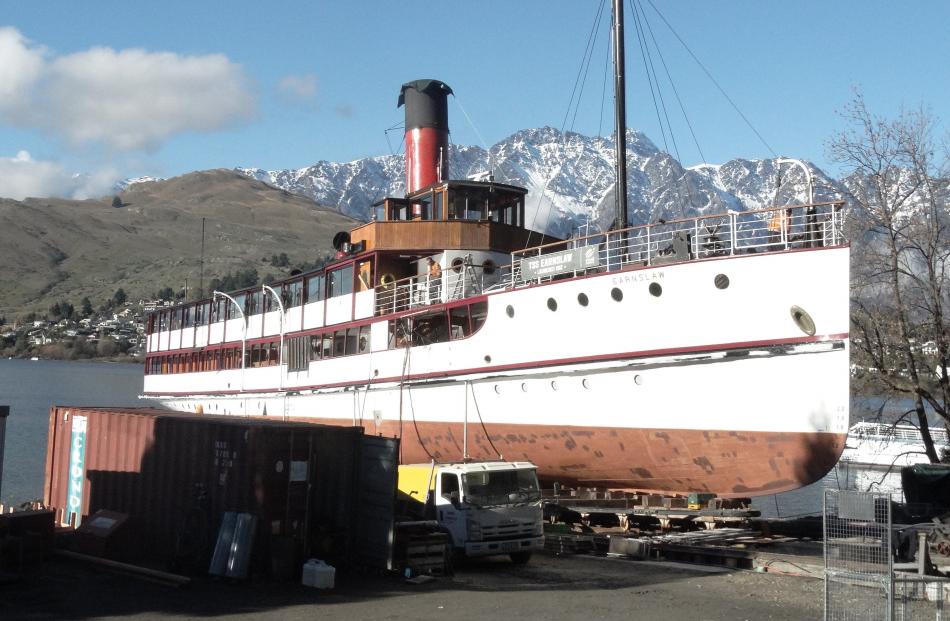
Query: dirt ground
x=549, y=587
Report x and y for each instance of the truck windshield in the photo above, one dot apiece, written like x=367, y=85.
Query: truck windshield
x=501, y=487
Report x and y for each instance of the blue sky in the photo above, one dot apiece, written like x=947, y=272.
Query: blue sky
x=119, y=89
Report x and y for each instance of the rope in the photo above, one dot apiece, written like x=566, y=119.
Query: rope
x=651, y=77
x=482, y=423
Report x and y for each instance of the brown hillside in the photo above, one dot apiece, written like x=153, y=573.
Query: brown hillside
x=55, y=249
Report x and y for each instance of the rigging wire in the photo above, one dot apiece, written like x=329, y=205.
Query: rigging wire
x=669, y=77
x=603, y=93
x=402, y=140
x=648, y=59
x=713, y=80
x=575, y=98
x=651, y=78
x=475, y=129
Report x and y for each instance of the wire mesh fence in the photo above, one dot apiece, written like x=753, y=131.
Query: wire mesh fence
x=920, y=598
x=859, y=583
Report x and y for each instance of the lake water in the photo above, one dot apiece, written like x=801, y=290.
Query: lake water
x=30, y=388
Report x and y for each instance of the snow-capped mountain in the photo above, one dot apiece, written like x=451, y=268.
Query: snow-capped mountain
x=570, y=180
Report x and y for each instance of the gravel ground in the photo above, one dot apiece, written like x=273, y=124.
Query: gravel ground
x=549, y=587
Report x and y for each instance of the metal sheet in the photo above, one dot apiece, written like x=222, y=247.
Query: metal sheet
x=376, y=501
x=177, y=474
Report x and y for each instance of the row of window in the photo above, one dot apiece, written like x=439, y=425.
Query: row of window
x=294, y=293
x=455, y=323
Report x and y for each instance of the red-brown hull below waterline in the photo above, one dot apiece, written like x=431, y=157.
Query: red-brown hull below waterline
x=731, y=464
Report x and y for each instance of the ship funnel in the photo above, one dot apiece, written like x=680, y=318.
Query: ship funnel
x=427, y=132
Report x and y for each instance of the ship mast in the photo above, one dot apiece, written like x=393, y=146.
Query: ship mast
x=620, y=117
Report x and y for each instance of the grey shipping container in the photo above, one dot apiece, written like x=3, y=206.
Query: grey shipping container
x=176, y=475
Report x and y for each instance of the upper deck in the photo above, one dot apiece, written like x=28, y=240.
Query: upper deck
x=385, y=278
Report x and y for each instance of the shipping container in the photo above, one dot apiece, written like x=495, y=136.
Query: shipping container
x=176, y=474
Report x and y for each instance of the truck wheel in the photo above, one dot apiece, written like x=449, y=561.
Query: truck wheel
x=520, y=558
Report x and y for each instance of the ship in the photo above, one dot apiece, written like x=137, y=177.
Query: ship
x=876, y=453
x=704, y=354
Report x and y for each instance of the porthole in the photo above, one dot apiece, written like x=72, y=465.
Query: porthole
x=655, y=289
x=524, y=387
x=637, y=380
x=457, y=264
x=488, y=267
x=497, y=389
x=552, y=304
x=721, y=281
x=616, y=294
x=585, y=383
x=487, y=358
x=803, y=320
x=582, y=299
x=553, y=385
x=510, y=310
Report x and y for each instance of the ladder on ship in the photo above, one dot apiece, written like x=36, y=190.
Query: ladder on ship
x=466, y=280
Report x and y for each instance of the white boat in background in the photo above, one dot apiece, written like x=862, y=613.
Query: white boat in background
x=875, y=453
x=703, y=354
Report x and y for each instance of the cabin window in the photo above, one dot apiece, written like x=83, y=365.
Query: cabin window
x=340, y=281
x=326, y=349
x=459, y=326
x=352, y=335
x=217, y=310
x=275, y=353
x=400, y=211
x=232, y=311
x=315, y=288
x=188, y=318
x=176, y=319
x=422, y=208
x=479, y=313
x=339, y=343
x=362, y=346
x=437, y=206
x=364, y=276
x=316, y=343
x=379, y=213
x=254, y=305
x=293, y=294
x=200, y=314
x=430, y=328
x=150, y=325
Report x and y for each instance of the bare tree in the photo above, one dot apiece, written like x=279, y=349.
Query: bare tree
x=899, y=288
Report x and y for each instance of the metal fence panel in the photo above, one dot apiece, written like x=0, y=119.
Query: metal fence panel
x=920, y=598
x=858, y=561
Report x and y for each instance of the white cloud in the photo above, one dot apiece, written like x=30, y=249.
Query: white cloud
x=300, y=87
x=20, y=67
x=127, y=99
x=22, y=176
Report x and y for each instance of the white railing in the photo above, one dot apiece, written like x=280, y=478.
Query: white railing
x=762, y=230
x=703, y=237
x=417, y=291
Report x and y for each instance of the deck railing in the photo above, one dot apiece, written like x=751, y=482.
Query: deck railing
x=416, y=291
x=688, y=239
x=761, y=230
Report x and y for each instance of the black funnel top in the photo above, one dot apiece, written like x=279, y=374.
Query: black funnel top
x=426, y=104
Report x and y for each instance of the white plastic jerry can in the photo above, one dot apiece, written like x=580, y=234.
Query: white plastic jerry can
x=318, y=574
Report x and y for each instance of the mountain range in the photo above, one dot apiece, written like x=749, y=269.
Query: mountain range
x=570, y=180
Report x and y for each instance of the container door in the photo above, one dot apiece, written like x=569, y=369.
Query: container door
x=376, y=497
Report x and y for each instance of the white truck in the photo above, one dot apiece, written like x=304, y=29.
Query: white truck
x=486, y=507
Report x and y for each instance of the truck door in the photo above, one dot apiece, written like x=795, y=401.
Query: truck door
x=448, y=507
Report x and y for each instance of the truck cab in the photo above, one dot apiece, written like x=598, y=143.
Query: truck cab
x=487, y=508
